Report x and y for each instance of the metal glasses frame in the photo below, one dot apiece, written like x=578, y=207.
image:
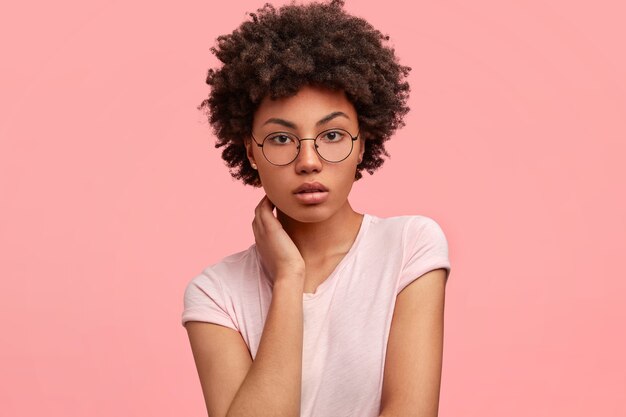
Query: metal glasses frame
x=260, y=145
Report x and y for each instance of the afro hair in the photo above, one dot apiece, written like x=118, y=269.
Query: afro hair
x=279, y=51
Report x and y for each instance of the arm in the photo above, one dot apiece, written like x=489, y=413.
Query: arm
x=272, y=386
x=235, y=385
x=412, y=375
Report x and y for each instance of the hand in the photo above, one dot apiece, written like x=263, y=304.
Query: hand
x=279, y=255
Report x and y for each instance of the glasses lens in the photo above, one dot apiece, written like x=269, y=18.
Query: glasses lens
x=333, y=145
x=280, y=148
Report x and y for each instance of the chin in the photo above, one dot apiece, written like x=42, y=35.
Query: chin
x=307, y=213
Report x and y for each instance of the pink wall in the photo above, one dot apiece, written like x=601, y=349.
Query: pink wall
x=113, y=197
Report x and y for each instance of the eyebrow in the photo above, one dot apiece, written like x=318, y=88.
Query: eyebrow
x=292, y=125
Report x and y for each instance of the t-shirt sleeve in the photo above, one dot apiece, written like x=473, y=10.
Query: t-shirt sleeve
x=204, y=301
x=425, y=248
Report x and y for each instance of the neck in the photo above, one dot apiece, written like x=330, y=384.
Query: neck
x=317, y=241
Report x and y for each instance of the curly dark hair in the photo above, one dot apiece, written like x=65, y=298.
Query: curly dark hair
x=317, y=44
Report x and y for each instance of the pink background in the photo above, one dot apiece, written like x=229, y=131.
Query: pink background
x=113, y=198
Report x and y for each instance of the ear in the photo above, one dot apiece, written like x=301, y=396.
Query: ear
x=361, y=147
x=249, y=144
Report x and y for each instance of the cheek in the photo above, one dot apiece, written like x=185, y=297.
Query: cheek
x=345, y=177
x=276, y=189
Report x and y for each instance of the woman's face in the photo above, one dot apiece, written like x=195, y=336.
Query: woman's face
x=311, y=111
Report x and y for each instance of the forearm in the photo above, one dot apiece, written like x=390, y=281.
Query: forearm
x=272, y=386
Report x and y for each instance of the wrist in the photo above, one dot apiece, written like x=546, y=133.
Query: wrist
x=290, y=278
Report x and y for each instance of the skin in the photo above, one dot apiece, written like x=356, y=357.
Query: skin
x=320, y=233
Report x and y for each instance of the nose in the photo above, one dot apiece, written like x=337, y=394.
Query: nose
x=308, y=158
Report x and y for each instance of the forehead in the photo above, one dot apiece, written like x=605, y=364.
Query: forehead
x=306, y=108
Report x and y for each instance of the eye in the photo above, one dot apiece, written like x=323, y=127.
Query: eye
x=333, y=136
x=279, y=139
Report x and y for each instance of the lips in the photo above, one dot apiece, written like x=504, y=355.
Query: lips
x=310, y=187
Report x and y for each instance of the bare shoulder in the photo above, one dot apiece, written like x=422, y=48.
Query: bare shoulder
x=222, y=359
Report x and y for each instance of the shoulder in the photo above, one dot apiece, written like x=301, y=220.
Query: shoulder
x=424, y=233
x=424, y=225
x=229, y=272
x=408, y=224
x=236, y=263
x=424, y=248
x=211, y=295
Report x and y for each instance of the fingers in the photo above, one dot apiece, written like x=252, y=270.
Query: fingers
x=262, y=210
x=266, y=200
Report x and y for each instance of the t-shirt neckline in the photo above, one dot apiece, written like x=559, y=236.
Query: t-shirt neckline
x=321, y=288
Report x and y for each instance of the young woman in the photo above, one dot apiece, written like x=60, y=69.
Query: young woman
x=324, y=315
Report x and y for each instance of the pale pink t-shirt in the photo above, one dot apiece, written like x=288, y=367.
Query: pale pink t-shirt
x=346, y=321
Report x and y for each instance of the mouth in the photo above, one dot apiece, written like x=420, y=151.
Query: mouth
x=311, y=191
x=311, y=187
x=312, y=196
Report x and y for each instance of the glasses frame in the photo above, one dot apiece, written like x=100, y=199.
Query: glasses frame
x=260, y=145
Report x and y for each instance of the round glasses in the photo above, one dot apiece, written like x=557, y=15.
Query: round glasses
x=282, y=148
